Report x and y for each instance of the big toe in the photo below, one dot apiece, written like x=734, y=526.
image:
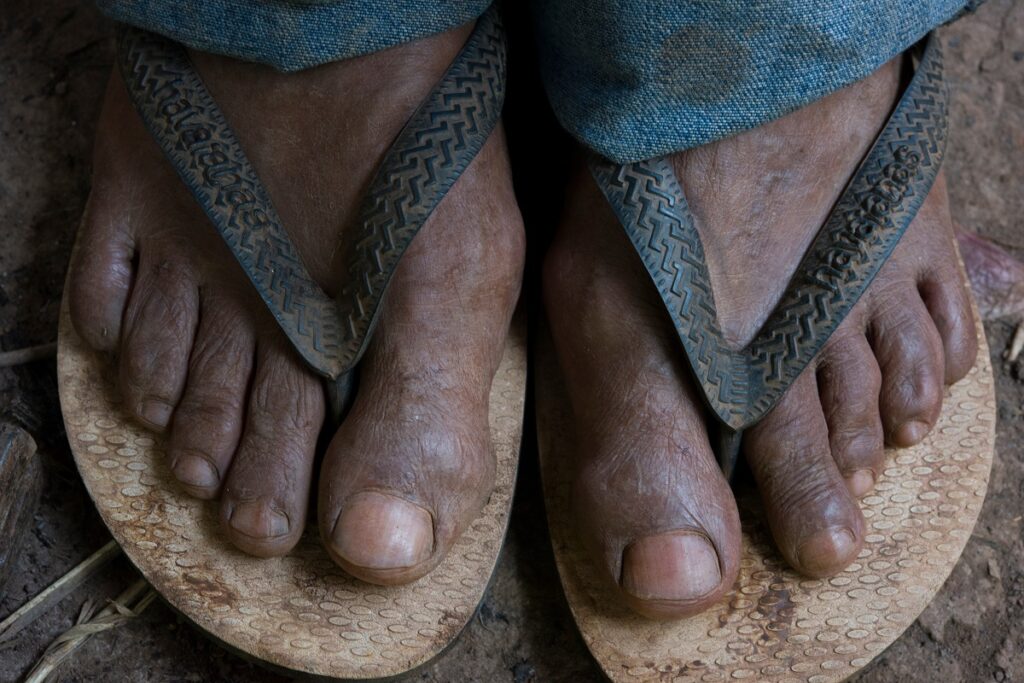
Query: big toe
x=664, y=573
x=380, y=534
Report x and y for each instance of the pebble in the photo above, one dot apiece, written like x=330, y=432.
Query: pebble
x=993, y=569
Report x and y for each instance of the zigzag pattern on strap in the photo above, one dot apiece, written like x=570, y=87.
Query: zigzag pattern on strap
x=648, y=200
x=433, y=149
x=865, y=225
x=187, y=124
x=428, y=156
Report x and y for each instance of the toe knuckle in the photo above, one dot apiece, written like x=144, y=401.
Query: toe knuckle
x=210, y=417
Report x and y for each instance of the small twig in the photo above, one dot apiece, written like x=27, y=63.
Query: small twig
x=57, y=591
x=120, y=610
x=1016, y=344
x=27, y=355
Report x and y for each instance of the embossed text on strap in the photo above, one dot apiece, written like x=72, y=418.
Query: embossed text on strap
x=435, y=147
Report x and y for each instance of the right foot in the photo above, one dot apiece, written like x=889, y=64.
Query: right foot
x=201, y=359
x=648, y=495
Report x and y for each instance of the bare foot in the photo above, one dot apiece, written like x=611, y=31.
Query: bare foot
x=648, y=494
x=201, y=359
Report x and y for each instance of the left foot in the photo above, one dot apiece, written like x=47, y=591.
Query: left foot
x=649, y=498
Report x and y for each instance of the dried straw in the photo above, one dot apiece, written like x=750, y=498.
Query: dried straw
x=57, y=591
x=27, y=355
x=128, y=605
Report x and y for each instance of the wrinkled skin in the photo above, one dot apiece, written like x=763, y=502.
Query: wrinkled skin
x=648, y=495
x=200, y=359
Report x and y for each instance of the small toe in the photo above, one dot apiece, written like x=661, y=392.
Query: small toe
x=100, y=274
x=159, y=327
x=848, y=382
x=910, y=355
x=949, y=304
x=815, y=521
x=266, y=493
x=208, y=421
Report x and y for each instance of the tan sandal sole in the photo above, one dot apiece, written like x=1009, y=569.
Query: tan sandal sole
x=300, y=612
x=776, y=626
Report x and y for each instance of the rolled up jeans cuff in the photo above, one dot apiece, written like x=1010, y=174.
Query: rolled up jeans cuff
x=291, y=34
x=635, y=79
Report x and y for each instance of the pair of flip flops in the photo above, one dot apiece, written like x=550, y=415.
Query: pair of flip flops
x=303, y=613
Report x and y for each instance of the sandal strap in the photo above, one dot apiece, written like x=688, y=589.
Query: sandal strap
x=433, y=149
x=871, y=215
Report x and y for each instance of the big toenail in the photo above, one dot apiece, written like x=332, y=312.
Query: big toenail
x=827, y=551
x=910, y=433
x=155, y=412
x=192, y=470
x=679, y=565
x=259, y=520
x=860, y=482
x=381, y=531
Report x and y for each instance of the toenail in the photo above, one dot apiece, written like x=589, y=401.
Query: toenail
x=155, y=412
x=193, y=470
x=827, y=551
x=258, y=520
x=910, y=433
x=381, y=531
x=860, y=482
x=678, y=565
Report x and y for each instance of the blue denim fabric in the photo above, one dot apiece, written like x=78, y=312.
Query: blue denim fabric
x=636, y=79
x=630, y=79
x=293, y=34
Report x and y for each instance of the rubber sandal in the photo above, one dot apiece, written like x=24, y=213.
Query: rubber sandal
x=300, y=612
x=776, y=625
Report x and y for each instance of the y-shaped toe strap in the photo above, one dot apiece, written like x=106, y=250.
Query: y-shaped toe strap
x=430, y=153
x=867, y=222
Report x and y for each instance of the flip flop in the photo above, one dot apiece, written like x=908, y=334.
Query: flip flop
x=776, y=625
x=299, y=612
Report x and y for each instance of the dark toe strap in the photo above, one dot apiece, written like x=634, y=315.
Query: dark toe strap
x=867, y=222
x=433, y=149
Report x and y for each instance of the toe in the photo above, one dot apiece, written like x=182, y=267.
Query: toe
x=266, y=492
x=100, y=273
x=648, y=497
x=848, y=382
x=948, y=303
x=667, y=575
x=942, y=281
x=383, y=533
x=411, y=465
x=816, y=523
x=159, y=327
x=671, y=548
x=208, y=421
x=910, y=355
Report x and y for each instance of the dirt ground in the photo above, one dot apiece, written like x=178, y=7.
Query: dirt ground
x=54, y=61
